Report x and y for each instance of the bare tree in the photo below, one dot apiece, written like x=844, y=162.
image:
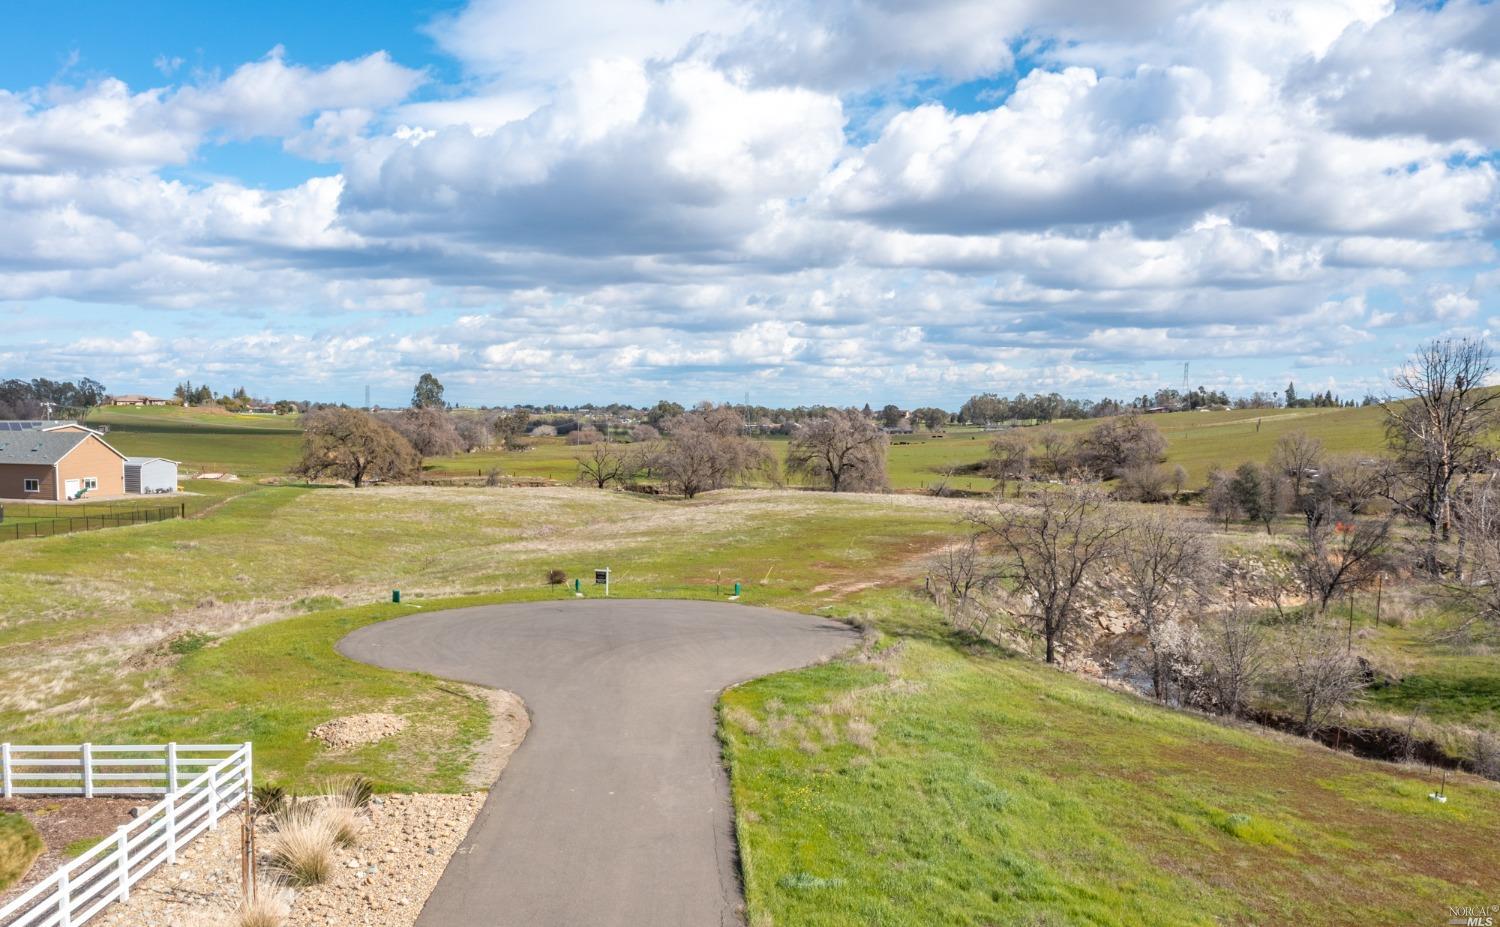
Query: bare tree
x=1119, y=443
x=607, y=462
x=1476, y=583
x=1049, y=551
x=1350, y=483
x=1436, y=427
x=1297, y=457
x=1179, y=481
x=1334, y=557
x=955, y=575
x=644, y=434
x=1056, y=451
x=843, y=450
x=1320, y=672
x=1233, y=660
x=1161, y=569
x=705, y=449
x=473, y=432
x=1010, y=459
x=1218, y=497
x=429, y=429
x=588, y=434
x=352, y=445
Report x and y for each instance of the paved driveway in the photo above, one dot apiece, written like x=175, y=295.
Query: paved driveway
x=615, y=810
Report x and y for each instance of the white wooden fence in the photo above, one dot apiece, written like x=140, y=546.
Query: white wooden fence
x=87, y=885
x=104, y=769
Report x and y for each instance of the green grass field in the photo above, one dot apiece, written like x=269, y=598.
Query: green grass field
x=923, y=781
x=266, y=445
x=205, y=439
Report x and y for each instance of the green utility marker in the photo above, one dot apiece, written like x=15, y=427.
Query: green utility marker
x=396, y=596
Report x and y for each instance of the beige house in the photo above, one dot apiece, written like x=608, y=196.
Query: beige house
x=133, y=399
x=58, y=463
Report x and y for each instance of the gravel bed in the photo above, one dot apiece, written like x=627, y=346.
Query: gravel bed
x=403, y=848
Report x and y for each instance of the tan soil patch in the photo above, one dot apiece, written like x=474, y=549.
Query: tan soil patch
x=61, y=821
x=353, y=731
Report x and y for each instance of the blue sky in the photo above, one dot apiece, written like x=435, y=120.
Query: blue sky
x=842, y=201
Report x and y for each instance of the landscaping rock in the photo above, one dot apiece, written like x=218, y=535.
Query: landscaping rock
x=356, y=730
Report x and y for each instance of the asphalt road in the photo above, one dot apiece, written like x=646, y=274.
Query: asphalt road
x=615, y=810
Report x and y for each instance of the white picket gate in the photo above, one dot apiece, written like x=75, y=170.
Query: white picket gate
x=85, y=886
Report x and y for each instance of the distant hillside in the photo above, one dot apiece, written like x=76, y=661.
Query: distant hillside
x=205, y=438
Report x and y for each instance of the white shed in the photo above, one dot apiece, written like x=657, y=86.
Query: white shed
x=150, y=475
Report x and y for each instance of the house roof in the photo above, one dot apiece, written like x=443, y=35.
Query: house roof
x=33, y=424
x=39, y=447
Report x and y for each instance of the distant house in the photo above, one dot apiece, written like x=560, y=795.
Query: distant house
x=57, y=463
x=135, y=399
x=150, y=475
x=261, y=408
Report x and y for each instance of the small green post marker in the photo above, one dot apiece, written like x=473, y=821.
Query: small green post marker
x=577, y=586
x=396, y=596
x=736, y=590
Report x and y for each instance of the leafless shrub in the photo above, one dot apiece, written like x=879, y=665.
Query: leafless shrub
x=588, y=434
x=1144, y=482
x=1320, y=672
x=954, y=575
x=1232, y=660
x=556, y=577
x=1487, y=755
x=493, y=476
x=1350, y=483
x=1009, y=459
x=1162, y=568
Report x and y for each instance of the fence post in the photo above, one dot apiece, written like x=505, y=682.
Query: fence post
x=172, y=768
x=122, y=836
x=213, y=798
x=172, y=827
x=249, y=769
x=8, y=788
x=64, y=903
x=88, y=770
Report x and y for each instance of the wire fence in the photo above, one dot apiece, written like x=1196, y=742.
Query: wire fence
x=15, y=526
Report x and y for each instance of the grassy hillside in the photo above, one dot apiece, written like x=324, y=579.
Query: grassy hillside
x=257, y=445
x=927, y=784
x=1196, y=440
x=205, y=439
x=922, y=781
